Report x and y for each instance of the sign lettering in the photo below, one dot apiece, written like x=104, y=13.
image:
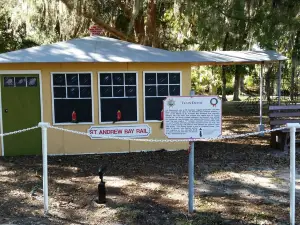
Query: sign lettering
x=130, y=131
x=193, y=117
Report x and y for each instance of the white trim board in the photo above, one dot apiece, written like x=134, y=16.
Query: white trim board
x=52, y=98
x=144, y=97
x=17, y=72
x=137, y=96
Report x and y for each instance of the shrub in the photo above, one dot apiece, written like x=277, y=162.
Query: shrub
x=228, y=91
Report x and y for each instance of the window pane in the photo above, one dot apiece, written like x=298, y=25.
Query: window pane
x=9, y=82
x=105, y=79
x=59, y=92
x=162, y=90
x=59, y=79
x=150, y=90
x=118, y=79
x=174, y=89
x=85, y=92
x=153, y=107
x=73, y=92
x=130, y=78
x=105, y=92
x=20, y=81
x=162, y=78
x=85, y=79
x=31, y=81
x=174, y=78
x=109, y=108
x=63, y=109
x=118, y=91
x=130, y=91
x=150, y=78
x=72, y=79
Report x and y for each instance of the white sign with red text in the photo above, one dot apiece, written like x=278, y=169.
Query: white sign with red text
x=122, y=131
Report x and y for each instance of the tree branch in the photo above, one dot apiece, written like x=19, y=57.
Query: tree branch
x=98, y=21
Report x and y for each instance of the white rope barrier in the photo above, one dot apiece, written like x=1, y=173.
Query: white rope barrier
x=70, y=131
x=19, y=131
x=232, y=136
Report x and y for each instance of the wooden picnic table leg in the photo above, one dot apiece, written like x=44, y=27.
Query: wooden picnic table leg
x=273, y=142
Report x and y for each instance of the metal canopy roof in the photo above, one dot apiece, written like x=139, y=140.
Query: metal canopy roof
x=103, y=49
x=231, y=57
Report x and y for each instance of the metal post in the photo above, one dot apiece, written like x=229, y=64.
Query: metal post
x=44, y=127
x=191, y=171
x=279, y=82
x=261, y=126
x=260, y=94
x=292, y=127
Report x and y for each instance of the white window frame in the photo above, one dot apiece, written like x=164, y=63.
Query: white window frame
x=137, y=96
x=144, y=85
x=52, y=96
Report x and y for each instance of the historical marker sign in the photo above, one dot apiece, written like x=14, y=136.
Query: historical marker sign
x=193, y=117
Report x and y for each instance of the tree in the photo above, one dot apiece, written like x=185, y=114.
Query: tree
x=12, y=38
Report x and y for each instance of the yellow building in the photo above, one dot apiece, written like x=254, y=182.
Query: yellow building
x=86, y=84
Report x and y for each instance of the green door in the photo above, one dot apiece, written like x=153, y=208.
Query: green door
x=21, y=109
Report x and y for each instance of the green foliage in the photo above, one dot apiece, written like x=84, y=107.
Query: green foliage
x=229, y=90
x=12, y=38
x=205, y=79
x=174, y=25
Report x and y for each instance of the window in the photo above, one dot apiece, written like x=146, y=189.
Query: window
x=20, y=81
x=157, y=86
x=118, y=91
x=72, y=92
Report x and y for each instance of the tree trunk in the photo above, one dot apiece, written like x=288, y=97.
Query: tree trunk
x=242, y=83
x=151, y=24
x=223, y=75
x=295, y=58
x=236, y=92
x=268, y=83
x=292, y=91
x=139, y=28
x=224, y=84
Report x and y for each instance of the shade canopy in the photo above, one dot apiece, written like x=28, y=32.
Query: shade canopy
x=104, y=49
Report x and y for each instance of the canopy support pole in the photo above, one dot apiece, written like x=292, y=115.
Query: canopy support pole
x=279, y=82
x=261, y=126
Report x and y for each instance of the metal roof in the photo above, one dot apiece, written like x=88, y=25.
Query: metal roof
x=104, y=49
x=231, y=57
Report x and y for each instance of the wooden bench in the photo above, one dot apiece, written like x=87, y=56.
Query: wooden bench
x=281, y=115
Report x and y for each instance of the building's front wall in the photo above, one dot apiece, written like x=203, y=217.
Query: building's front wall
x=67, y=143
